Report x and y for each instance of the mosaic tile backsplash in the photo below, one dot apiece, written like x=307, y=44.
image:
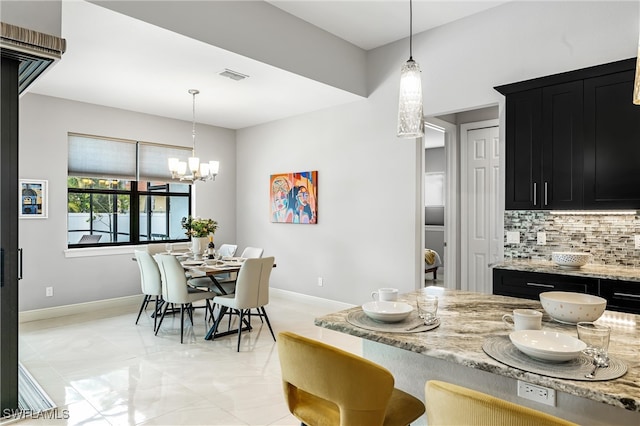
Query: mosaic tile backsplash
x=608, y=237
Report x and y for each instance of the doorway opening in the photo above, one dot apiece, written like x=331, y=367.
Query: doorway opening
x=447, y=129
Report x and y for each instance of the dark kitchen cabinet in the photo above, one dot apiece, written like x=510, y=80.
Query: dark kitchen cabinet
x=570, y=140
x=529, y=285
x=611, y=145
x=523, y=155
x=544, y=148
x=623, y=296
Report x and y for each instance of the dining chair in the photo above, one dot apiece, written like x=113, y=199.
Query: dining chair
x=324, y=385
x=176, y=291
x=150, y=282
x=227, y=250
x=155, y=248
x=449, y=404
x=252, y=292
x=252, y=253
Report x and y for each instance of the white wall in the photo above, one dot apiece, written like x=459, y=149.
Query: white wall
x=44, y=123
x=366, y=233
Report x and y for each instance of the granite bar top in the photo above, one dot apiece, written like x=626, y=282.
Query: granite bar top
x=467, y=319
x=611, y=272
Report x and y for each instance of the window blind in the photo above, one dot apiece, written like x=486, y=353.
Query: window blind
x=95, y=156
x=154, y=159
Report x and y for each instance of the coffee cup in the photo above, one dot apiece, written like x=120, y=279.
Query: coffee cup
x=524, y=319
x=387, y=294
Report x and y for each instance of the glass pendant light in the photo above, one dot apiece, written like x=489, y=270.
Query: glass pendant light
x=410, y=118
x=199, y=171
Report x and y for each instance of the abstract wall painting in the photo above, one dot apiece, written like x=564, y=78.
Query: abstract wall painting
x=294, y=197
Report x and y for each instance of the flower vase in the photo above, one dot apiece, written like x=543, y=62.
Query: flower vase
x=199, y=246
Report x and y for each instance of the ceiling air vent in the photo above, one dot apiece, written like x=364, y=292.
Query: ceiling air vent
x=233, y=75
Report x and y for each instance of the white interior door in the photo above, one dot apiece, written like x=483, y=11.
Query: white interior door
x=479, y=216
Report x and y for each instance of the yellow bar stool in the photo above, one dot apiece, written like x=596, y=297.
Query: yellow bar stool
x=449, y=404
x=324, y=385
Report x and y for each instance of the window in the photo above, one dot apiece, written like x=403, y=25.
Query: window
x=121, y=192
x=434, y=189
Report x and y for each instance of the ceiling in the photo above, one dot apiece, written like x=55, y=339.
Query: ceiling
x=101, y=65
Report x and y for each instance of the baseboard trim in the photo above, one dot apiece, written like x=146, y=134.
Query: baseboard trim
x=131, y=301
x=79, y=308
x=309, y=299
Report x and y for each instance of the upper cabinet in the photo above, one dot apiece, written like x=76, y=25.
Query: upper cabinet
x=573, y=140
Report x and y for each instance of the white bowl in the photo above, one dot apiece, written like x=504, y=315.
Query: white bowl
x=571, y=308
x=547, y=345
x=387, y=311
x=567, y=259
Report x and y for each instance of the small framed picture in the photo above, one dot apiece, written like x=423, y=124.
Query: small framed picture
x=33, y=199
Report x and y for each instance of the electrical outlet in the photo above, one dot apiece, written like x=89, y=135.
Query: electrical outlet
x=513, y=237
x=48, y=292
x=537, y=393
x=542, y=238
x=637, y=241
x=320, y=281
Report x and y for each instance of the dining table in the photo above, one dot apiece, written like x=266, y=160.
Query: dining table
x=467, y=347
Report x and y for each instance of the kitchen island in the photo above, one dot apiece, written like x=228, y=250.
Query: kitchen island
x=453, y=352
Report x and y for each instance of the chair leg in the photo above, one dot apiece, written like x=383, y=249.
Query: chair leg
x=240, y=328
x=144, y=304
x=182, y=307
x=212, y=332
x=164, y=311
x=155, y=314
x=268, y=323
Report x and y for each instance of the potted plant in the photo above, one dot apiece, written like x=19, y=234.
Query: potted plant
x=198, y=229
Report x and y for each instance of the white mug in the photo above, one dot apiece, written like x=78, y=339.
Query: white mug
x=524, y=319
x=388, y=294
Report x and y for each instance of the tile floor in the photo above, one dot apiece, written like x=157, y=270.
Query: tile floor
x=105, y=370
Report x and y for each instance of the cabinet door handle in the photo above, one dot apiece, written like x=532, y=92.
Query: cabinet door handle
x=541, y=285
x=546, y=203
x=634, y=296
x=535, y=190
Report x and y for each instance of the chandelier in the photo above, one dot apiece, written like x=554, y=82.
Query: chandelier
x=198, y=171
x=410, y=118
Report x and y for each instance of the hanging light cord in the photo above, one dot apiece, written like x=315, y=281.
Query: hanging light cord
x=410, y=30
x=193, y=129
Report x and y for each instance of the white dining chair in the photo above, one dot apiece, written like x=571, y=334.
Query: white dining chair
x=252, y=253
x=252, y=292
x=150, y=282
x=176, y=291
x=227, y=250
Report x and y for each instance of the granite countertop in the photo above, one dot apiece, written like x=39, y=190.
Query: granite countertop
x=611, y=272
x=467, y=319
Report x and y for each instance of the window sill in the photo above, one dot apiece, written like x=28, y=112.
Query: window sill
x=100, y=251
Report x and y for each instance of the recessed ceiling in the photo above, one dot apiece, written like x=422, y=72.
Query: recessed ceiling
x=118, y=61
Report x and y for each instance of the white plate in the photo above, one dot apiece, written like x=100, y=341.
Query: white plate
x=547, y=345
x=387, y=311
x=192, y=262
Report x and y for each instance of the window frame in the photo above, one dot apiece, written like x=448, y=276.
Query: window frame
x=134, y=194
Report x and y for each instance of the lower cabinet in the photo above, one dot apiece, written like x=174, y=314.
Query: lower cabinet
x=623, y=296
x=529, y=285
